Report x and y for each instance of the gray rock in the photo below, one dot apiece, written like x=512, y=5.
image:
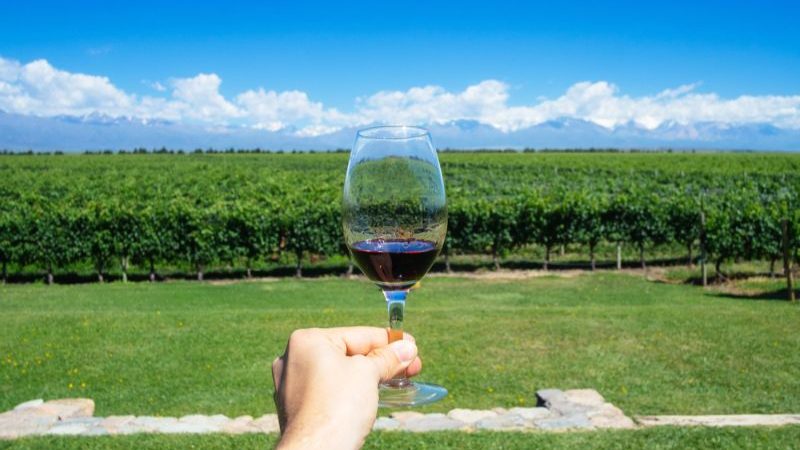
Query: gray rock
x=585, y=397
x=150, y=424
x=559, y=403
x=402, y=416
x=574, y=421
x=431, y=422
x=96, y=431
x=14, y=425
x=565, y=410
x=240, y=425
x=386, y=423
x=531, y=413
x=65, y=408
x=178, y=427
x=470, y=416
x=569, y=409
x=546, y=396
x=171, y=425
x=192, y=418
x=117, y=424
x=36, y=416
x=81, y=426
x=67, y=430
x=268, y=423
x=502, y=422
x=198, y=423
x=738, y=420
x=29, y=404
x=609, y=416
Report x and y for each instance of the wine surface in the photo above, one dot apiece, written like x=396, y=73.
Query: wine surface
x=394, y=263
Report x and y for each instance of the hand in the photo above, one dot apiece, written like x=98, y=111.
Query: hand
x=326, y=384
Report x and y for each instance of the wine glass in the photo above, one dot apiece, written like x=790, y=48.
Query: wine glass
x=394, y=216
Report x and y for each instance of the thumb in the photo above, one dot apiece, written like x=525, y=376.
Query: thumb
x=393, y=359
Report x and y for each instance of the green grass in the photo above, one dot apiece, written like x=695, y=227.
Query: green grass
x=660, y=438
x=185, y=347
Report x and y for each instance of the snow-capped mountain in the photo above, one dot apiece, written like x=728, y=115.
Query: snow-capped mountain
x=97, y=132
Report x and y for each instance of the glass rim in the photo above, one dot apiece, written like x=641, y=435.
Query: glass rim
x=393, y=132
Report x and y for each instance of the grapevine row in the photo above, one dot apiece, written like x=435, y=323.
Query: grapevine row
x=42, y=234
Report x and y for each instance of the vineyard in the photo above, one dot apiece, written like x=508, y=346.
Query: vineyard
x=201, y=210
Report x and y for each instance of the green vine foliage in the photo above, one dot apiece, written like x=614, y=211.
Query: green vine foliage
x=235, y=210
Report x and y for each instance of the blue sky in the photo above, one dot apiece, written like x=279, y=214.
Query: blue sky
x=336, y=53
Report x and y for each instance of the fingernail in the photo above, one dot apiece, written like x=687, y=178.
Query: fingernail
x=406, y=351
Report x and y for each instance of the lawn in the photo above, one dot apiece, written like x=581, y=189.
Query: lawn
x=184, y=347
x=661, y=438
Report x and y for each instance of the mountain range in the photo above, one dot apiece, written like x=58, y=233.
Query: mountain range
x=100, y=132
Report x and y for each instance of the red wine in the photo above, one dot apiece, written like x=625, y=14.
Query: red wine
x=396, y=263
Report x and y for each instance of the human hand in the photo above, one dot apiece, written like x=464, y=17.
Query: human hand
x=326, y=384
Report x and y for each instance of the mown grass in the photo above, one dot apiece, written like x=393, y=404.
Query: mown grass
x=185, y=347
x=658, y=438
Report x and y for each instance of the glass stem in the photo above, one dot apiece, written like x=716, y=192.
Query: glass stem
x=396, y=304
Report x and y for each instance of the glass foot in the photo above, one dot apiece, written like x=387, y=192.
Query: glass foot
x=410, y=394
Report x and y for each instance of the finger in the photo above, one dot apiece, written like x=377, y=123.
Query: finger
x=277, y=372
x=361, y=340
x=393, y=359
x=414, y=368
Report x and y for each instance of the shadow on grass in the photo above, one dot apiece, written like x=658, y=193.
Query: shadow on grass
x=74, y=277
x=713, y=279
x=212, y=275
x=587, y=265
x=775, y=295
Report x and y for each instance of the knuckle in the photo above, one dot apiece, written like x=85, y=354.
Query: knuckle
x=302, y=335
x=298, y=335
x=304, y=340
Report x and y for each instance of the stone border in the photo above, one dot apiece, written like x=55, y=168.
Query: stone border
x=74, y=417
x=556, y=410
x=741, y=420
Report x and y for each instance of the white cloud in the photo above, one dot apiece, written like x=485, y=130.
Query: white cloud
x=316, y=130
x=37, y=88
x=678, y=91
x=9, y=70
x=483, y=102
x=272, y=110
x=199, y=98
x=40, y=89
x=598, y=102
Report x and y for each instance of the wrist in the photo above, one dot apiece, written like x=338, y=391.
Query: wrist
x=313, y=435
